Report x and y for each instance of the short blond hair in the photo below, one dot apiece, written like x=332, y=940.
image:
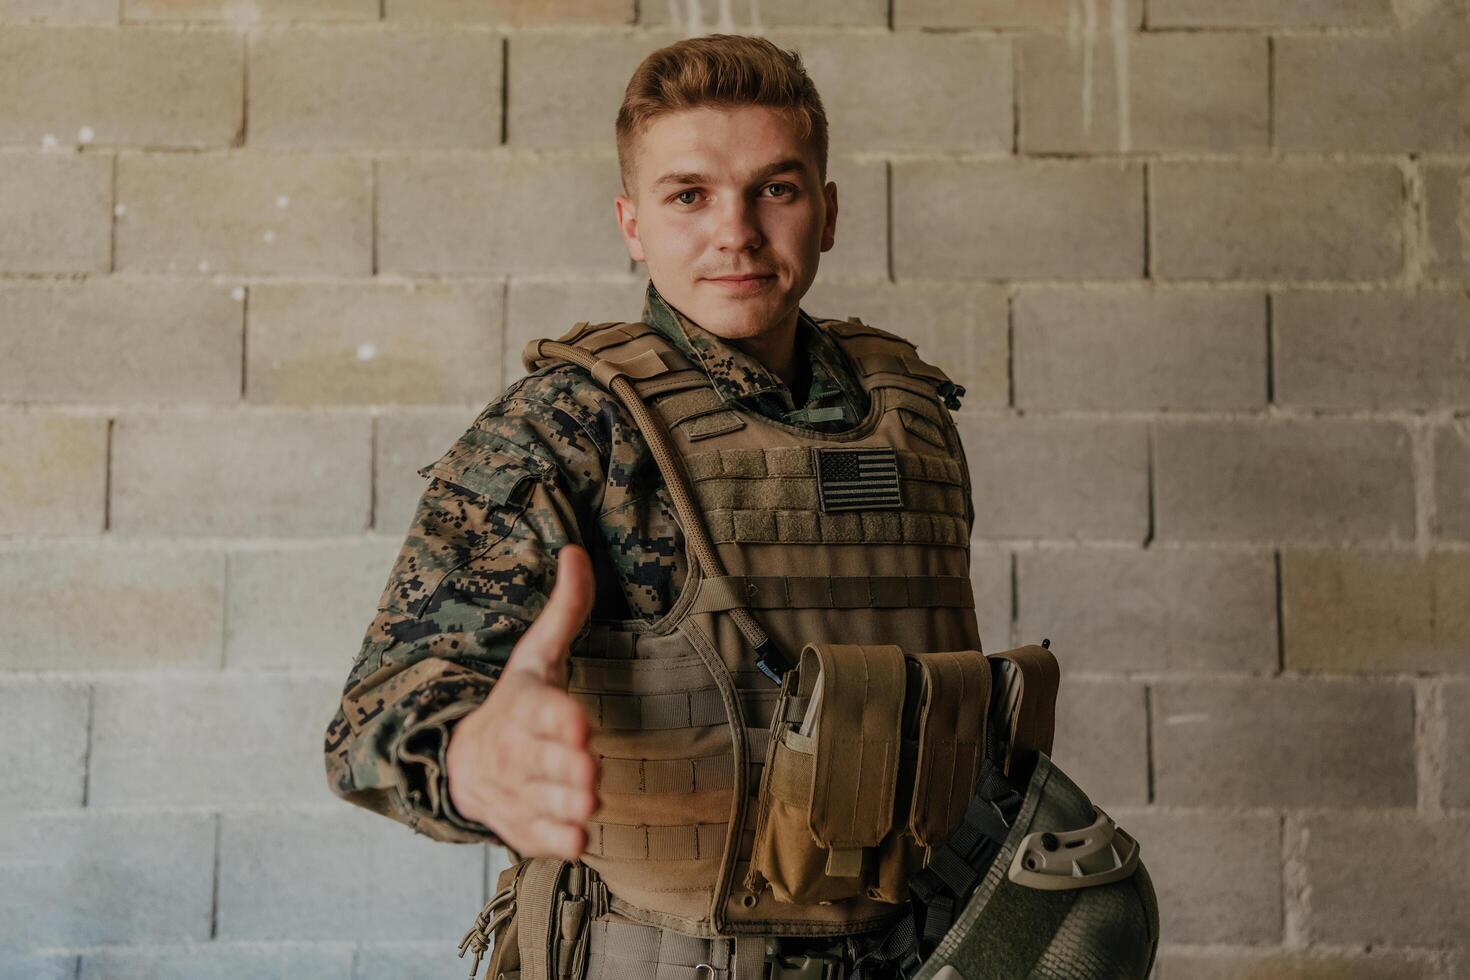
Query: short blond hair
x=720, y=70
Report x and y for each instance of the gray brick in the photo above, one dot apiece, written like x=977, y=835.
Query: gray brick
x=1447, y=221
x=539, y=308
x=104, y=86
x=1259, y=964
x=324, y=874
x=126, y=591
x=1285, y=743
x=1146, y=349
x=405, y=443
x=258, y=11
x=434, y=343
x=304, y=608
x=575, y=105
x=1006, y=13
x=1394, y=611
x=221, y=961
x=1408, y=888
x=1017, y=220
x=497, y=214
x=694, y=17
x=1053, y=478
x=46, y=766
x=1452, y=486
x=253, y=739
x=116, y=340
x=512, y=13
x=53, y=473
x=1063, y=110
x=990, y=577
x=85, y=878
x=1122, y=610
x=20, y=965
x=59, y=12
x=1376, y=94
x=1271, y=13
x=1270, y=220
x=55, y=213
x=860, y=245
x=278, y=473
x=1218, y=876
x=1102, y=738
x=1300, y=480
x=966, y=80
x=400, y=88
x=959, y=326
x=1372, y=350
x=263, y=213
x=1456, y=697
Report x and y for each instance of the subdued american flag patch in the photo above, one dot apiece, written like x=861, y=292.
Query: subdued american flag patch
x=858, y=479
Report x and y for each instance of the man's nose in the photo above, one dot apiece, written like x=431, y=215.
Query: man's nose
x=739, y=224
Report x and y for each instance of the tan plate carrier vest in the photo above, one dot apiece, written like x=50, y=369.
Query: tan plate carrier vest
x=683, y=716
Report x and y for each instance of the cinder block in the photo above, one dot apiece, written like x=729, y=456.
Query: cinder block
x=253, y=739
x=304, y=608
x=221, y=961
x=1053, y=478
x=1144, y=349
x=89, y=877
x=1294, y=220
x=498, y=214
x=59, y=12
x=512, y=13
x=1271, y=13
x=1456, y=709
x=262, y=213
x=860, y=244
x=281, y=473
x=1375, y=94
x=405, y=443
x=1447, y=221
x=104, y=86
x=965, y=80
x=1372, y=350
x=1018, y=13
x=695, y=17
x=120, y=340
x=55, y=212
x=1218, y=876
x=1143, y=94
x=400, y=88
x=1017, y=220
x=959, y=327
x=1396, y=611
x=1329, y=480
x=53, y=473
x=100, y=608
x=424, y=343
x=1108, y=609
x=539, y=309
x=990, y=577
x=45, y=758
x=1408, y=888
x=1452, y=486
x=255, y=12
x=342, y=873
x=1259, y=964
x=575, y=104
x=1283, y=743
x=1102, y=738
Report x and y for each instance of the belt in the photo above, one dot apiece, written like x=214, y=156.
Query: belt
x=620, y=949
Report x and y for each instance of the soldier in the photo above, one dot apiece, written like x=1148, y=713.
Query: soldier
x=575, y=653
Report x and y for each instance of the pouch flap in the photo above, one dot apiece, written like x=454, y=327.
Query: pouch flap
x=1029, y=698
x=952, y=714
x=858, y=740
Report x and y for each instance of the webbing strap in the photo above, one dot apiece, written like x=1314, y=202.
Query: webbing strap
x=633, y=951
x=834, y=592
x=535, y=896
x=681, y=842
x=649, y=712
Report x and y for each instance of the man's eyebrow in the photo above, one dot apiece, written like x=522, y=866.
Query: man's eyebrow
x=690, y=177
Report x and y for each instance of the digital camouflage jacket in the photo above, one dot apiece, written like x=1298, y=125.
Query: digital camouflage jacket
x=554, y=459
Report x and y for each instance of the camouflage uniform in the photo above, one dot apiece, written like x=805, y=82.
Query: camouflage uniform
x=554, y=459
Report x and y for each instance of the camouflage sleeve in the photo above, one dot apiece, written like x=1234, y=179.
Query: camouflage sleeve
x=476, y=567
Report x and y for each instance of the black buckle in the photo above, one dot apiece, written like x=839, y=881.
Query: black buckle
x=805, y=966
x=951, y=393
x=771, y=661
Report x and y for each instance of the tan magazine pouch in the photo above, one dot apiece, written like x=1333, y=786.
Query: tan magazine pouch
x=953, y=704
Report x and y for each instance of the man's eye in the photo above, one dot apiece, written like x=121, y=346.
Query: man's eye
x=789, y=188
x=679, y=196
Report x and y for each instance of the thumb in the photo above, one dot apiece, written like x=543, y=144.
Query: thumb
x=544, y=648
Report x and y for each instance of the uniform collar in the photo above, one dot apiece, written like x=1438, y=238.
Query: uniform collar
x=735, y=374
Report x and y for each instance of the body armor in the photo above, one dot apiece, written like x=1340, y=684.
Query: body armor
x=784, y=750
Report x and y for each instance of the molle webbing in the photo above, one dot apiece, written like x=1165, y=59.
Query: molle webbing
x=834, y=592
x=633, y=951
x=643, y=842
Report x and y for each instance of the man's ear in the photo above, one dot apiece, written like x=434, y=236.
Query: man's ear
x=626, y=213
x=829, y=226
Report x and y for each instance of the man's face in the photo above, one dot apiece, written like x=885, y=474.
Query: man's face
x=720, y=192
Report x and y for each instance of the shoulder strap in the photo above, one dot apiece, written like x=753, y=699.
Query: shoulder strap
x=887, y=360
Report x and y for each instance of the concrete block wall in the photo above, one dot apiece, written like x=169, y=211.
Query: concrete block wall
x=1202, y=265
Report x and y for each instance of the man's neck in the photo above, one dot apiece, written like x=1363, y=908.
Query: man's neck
x=776, y=349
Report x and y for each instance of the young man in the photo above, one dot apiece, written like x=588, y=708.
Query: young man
x=605, y=717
